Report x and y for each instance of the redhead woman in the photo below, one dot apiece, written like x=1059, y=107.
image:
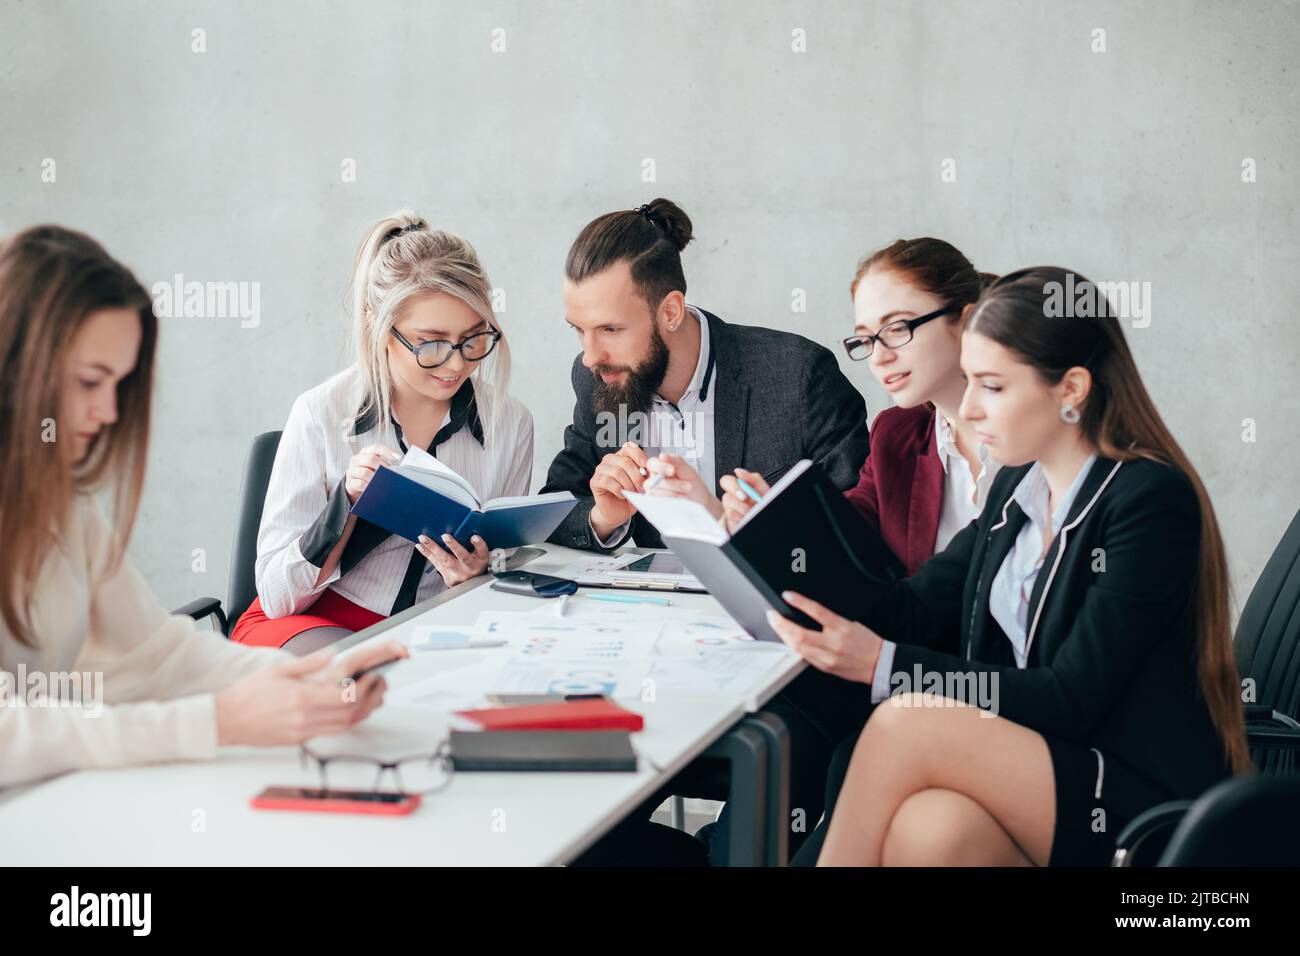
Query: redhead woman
x=927, y=474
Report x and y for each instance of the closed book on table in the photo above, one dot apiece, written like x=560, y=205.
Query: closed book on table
x=580, y=715
x=548, y=751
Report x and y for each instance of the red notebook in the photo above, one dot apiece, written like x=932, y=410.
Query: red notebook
x=565, y=715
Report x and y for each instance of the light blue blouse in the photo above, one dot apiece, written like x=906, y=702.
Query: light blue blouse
x=1014, y=583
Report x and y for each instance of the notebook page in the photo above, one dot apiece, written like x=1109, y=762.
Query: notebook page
x=418, y=463
x=678, y=517
x=512, y=501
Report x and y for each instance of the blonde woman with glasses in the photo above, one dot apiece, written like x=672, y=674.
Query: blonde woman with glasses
x=431, y=370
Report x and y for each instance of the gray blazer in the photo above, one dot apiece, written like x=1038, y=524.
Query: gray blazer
x=779, y=397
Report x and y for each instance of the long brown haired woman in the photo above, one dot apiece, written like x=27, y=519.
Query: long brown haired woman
x=77, y=344
x=1066, y=662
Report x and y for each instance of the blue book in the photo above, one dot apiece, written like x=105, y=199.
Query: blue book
x=423, y=496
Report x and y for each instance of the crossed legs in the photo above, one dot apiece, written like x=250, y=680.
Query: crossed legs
x=935, y=782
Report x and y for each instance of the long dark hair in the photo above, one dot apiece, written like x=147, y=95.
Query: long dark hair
x=1120, y=418
x=651, y=237
x=51, y=280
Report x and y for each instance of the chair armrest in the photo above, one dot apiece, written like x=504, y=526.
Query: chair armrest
x=1273, y=738
x=1160, y=819
x=1263, y=714
x=205, y=607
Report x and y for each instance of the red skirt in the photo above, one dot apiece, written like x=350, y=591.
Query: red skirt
x=330, y=610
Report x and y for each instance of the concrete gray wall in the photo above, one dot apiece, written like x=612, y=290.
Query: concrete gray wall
x=1125, y=164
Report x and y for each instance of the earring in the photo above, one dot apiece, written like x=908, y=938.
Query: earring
x=1069, y=414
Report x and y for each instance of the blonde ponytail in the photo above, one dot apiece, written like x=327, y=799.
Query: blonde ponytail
x=401, y=257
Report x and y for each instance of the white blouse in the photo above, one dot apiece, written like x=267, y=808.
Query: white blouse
x=684, y=429
x=1014, y=583
x=306, y=507
x=114, y=679
x=964, y=494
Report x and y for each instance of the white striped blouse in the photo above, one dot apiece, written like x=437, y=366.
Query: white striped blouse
x=306, y=507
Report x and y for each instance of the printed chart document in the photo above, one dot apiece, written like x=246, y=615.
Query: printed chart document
x=638, y=651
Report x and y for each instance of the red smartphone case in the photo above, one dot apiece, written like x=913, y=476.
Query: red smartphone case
x=569, y=715
x=263, y=801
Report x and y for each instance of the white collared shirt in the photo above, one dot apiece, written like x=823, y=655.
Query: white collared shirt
x=303, y=509
x=685, y=428
x=1014, y=583
x=964, y=494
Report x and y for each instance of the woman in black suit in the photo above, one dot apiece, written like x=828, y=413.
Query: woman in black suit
x=1066, y=662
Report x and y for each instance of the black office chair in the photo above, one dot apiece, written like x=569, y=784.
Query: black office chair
x=1244, y=821
x=1251, y=811
x=243, y=556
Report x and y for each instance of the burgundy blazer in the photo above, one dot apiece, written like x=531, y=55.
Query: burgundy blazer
x=900, y=486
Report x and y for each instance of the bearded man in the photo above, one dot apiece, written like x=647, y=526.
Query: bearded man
x=658, y=376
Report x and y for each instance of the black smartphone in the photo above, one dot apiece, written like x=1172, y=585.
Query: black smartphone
x=376, y=668
x=534, y=584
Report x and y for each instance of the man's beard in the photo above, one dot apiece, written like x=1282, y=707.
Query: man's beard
x=637, y=393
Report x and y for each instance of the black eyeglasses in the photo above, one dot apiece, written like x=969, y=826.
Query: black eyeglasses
x=893, y=336
x=473, y=348
x=422, y=774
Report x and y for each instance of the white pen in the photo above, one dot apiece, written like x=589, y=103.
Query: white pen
x=654, y=480
x=564, y=602
x=472, y=645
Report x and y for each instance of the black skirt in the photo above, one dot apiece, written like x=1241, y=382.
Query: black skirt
x=1096, y=797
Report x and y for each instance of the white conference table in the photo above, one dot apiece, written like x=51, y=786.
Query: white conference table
x=198, y=814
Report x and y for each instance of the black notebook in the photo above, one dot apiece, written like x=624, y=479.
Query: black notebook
x=803, y=536
x=543, y=750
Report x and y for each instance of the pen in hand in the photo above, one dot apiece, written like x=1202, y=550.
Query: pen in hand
x=748, y=489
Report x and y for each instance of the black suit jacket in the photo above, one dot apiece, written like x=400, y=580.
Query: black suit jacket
x=778, y=397
x=1112, y=643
